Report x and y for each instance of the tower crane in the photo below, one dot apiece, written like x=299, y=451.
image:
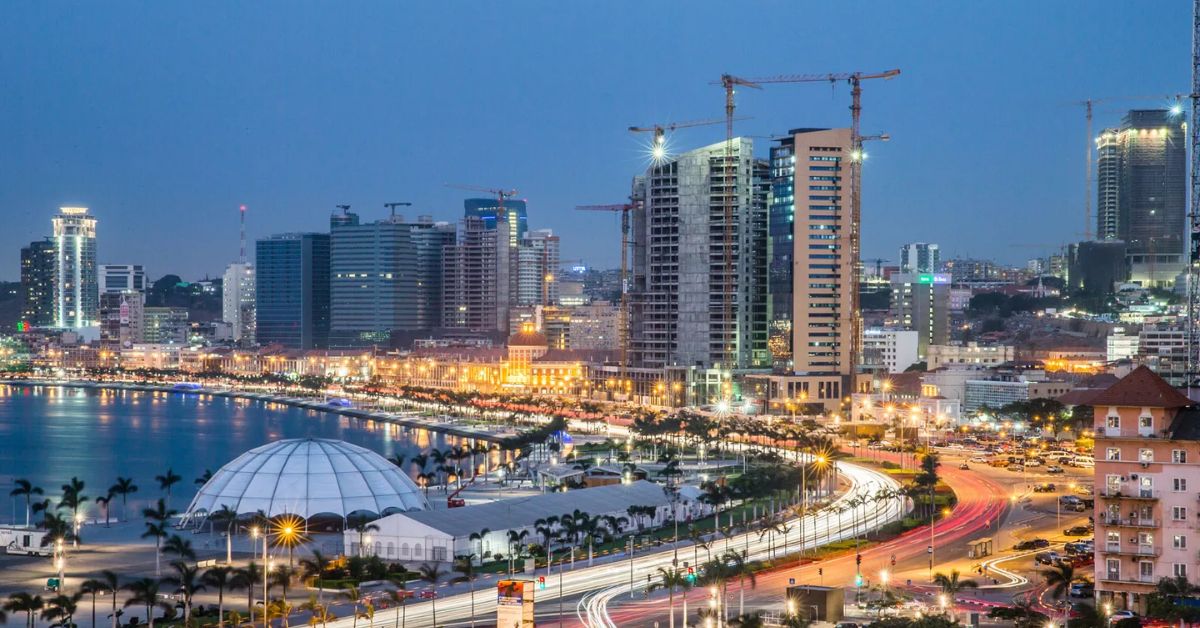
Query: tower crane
x=393, y=206
x=1193, y=288
x=623, y=312
x=855, y=80
x=1088, y=106
x=658, y=147
x=500, y=193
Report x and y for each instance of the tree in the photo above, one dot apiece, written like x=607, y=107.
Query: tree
x=354, y=596
x=180, y=547
x=22, y=602
x=748, y=620
x=314, y=568
x=247, y=577
x=188, y=580
x=670, y=579
x=362, y=529
x=951, y=584
x=1059, y=579
x=144, y=592
x=400, y=596
x=204, y=478
x=320, y=612
x=167, y=480
x=124, y=487
x=432, y=573
x=465, y=566
x=156, y=528
x=105, y=501
x=73, y=499
x=107, y=583
x=27, y=490
x=220, y=578
x=60, y=609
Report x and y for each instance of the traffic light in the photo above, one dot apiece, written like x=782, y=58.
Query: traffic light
x=541, y=582
x=691, y=574
x=858, y=581
x=820, y=571
x=858, y=560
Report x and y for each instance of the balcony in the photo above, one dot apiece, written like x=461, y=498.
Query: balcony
x=1130, y=523
x=1132, y=550
x=1113, y=576
x=1137, y=493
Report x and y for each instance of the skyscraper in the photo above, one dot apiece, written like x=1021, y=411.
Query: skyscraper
x=385, y=277
x=920, y=257
x=538, y=262
x=76, y=293
x=37, y=283
x=122, y=319
x=479, y=279
x=292, y=290
x=488, y=210
x=683, y=286
x=1141, y=190
x=238, y=302
x=921, y=302
x=122, y=277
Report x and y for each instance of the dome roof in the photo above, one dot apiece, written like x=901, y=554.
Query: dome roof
x=528, y=338
x=307, y=477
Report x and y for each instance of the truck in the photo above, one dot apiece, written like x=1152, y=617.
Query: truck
x=22, y=540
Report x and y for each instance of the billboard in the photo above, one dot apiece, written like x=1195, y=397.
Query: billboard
x=514, y=603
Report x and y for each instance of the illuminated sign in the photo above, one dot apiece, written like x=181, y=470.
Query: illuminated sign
x=514, y=603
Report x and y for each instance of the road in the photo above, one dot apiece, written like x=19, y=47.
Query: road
x=862, y=512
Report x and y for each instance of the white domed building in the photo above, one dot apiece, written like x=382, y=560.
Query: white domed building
x=307, y=478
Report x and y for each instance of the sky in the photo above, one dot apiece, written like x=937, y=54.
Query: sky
x=164, y=117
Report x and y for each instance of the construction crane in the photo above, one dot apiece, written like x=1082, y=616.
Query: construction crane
x=1194, y=215
x=623, y=311
x=1089, y=107
x=658, y=146
x=855, y=80
x=500, y=193
x=879, y=262
x=393, y=206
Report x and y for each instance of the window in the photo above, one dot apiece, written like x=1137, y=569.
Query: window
x=1146, y=570
x=1145, y=422
x=1114, y=568
x=1180, y=484
x=1113, y=422
x=1112, y=453
x=1180, y=570
x=1179, y=456
x=1179, y=542
x=1145, y=538
x=1179, y=513
x=1113, y=537
x=1145, y=455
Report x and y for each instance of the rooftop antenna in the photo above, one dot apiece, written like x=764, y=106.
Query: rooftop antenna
x=242, y=253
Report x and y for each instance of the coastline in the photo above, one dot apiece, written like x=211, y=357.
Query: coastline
x=410, y=421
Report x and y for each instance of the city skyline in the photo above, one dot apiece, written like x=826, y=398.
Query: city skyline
x=175, y=137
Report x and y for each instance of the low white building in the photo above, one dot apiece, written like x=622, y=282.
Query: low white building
x=893, y=349
x=440, y=535
x=971, y=353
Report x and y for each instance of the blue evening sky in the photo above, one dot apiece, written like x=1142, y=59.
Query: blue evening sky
x=164, y=116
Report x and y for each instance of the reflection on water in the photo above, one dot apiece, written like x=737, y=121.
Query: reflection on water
x=49, y=434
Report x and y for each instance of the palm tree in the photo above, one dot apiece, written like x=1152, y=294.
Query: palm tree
x=355, y=596
x=400, y=596
x=671, y=579
x=105, y=501
x=60, y=609
x=1059, y=579
x=280, y=608
x=188, y=580
x=203, y=479
x=951, y=584
x=220, y=578
x=72, y=499
x=397, y=460
x=144, y=591
x=124, y=487
x=465, y=566
x=156, y=528
x=749, y=620
x=315, y=568
x=479, y=536
x=362, y=529
x=166, y=481
x=180, y=547
x=320, y=612
x=432, y=573
x=282, y=576
x=22, y=602
x=248, y=577
x=740, y=568
x=107, y=583
x=24, y=488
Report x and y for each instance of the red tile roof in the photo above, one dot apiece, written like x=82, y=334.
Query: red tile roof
x=1141, y=388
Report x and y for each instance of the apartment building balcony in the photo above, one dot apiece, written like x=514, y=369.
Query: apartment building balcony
x=1135, y=494
x=1132, y=550
x=1111, y=576
x=1134, y=522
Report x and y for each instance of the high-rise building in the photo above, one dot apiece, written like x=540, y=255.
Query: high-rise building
x=165, y=325
x=122, y=277
x=76, y=293
x=1142, y=191
x=37, y=283
x=690, y=305
x=479, y=279
x=537, y=264
x=122, y=319
x=920, y=257
x=238, y=302
x=921, y=302
x=292, y=305
x=812, y=322
x=489, y=211
x=380, y=282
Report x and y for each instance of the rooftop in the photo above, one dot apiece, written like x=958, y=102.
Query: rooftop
x=1142, y=388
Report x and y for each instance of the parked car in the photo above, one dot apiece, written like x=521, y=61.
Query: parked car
x=1077, y=531
x=964, y=466
x=1054, y=469
x=1046, y=558
x=1030, y=544
x=1048, y=487
x=847, y=624
x=1033, y=462
x=1069, y=499
x=1076, y=507
x=1016, y=468
x=1119, y=615
x=977, y=460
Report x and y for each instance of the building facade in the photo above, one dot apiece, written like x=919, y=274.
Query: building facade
x=973, y=353
x=238, y=301
x=893, y=349
x=122, y=278
x=122, y=319
x=537, y=266
x=165, y=325
x=698, y=295
x=76, y=291
x=489, y=211
x=37, y=284
x=921, y=302
x=292, y=294
x=920, y=257
x=479, y=277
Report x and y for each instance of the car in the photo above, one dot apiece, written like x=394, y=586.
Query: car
x=1015, y=468
x=1054, y=469
x=1033, y=462
x=1048, y=487
x=1076, y=507
x=1069, y=499
x=964, y=466
x=1117, y=616
x=977, y=459
x=1084, y=489
x=847, y=624
x=1031, y=544
x=1077, y=531
x=1046, y=558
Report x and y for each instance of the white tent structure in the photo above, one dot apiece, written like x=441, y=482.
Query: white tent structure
x=307, y=477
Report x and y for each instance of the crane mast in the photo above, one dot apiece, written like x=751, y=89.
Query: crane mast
x=623, y=312
x=1193, y=276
